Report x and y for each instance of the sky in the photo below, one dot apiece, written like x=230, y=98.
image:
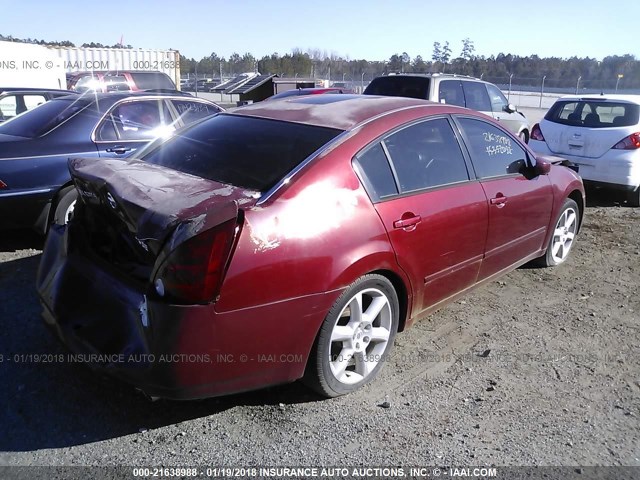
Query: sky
x=354, y=29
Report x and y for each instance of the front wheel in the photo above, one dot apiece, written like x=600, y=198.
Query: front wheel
x=563, y=235
x=355, y=339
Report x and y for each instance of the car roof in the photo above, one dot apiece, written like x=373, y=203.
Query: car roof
x=138, y=93
x=32, y=89
x=603, y=98
x=112, y=72
x=102, y=101
x=310, y=91
x=432, y=75
x=321, y=89
x=340, y=111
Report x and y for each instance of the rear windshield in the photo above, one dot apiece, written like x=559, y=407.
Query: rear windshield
x=399, y=86
x=43, y=118
x=594, y=113
x=248, y=152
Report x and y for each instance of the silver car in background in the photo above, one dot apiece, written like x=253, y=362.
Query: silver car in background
x=599, y=133
x=460, y=90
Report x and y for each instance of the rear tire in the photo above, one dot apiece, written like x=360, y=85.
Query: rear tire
x=66, y=203
x=633, y=198
x=563, y=235
x=355, y=339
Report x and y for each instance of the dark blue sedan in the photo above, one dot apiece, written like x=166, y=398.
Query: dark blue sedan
x=35, y=185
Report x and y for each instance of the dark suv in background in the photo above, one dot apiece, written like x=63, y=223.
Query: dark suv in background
x=452, y=89
x=126, y=80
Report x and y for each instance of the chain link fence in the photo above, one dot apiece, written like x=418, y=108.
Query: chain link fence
x=578, y=85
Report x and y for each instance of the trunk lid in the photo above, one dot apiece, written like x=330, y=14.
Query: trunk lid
x=133, y=212
x=589, y=127
x=582, y=141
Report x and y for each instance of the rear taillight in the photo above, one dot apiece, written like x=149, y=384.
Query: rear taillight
x=629, y=143
x=2, y=185
x=193, y=272
x=536, y=133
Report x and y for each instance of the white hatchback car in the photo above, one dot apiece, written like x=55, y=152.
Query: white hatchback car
x=599, y=133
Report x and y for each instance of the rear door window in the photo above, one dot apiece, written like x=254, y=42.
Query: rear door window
x=375, y=171
x=476, y=96
x=426, y=155
x=450, y=92
x=134, y=121
x=493, y=151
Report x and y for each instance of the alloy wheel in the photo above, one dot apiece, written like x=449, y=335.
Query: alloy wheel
x=564, y=234
x=360, y=335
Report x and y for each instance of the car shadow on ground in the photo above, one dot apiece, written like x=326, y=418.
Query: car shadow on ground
x=46, y=404
x=601, y=197
x=19, y=240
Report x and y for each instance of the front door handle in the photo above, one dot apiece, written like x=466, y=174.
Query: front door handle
x=119, y=149
x=499, y=201
x=407, y=222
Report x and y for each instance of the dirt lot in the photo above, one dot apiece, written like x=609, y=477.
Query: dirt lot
x=539, y=368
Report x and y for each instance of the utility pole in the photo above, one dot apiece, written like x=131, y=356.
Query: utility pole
x=542, y=90
x=509, y=94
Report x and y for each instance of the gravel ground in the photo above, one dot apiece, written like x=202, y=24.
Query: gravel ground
x=539, y=368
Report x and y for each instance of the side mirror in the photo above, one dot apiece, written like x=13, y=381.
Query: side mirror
x=510, y=108
x=542, y=167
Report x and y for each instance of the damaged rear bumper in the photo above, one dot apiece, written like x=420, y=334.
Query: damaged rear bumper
x=120, y=328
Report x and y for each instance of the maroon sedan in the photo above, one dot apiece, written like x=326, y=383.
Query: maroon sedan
x=293, y=239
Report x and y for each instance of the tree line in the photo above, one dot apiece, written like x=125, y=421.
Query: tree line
x=63, y=43
x=503, y=68
x=614, y=70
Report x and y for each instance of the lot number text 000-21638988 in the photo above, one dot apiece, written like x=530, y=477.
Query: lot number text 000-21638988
x=153, y=64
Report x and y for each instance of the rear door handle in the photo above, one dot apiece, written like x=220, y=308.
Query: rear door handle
x=118, y=149
x=499, y=201
x=407, y=222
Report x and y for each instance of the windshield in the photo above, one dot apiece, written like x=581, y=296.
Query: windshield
x=248, y=152
x=594, y=113
x=43, y=118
